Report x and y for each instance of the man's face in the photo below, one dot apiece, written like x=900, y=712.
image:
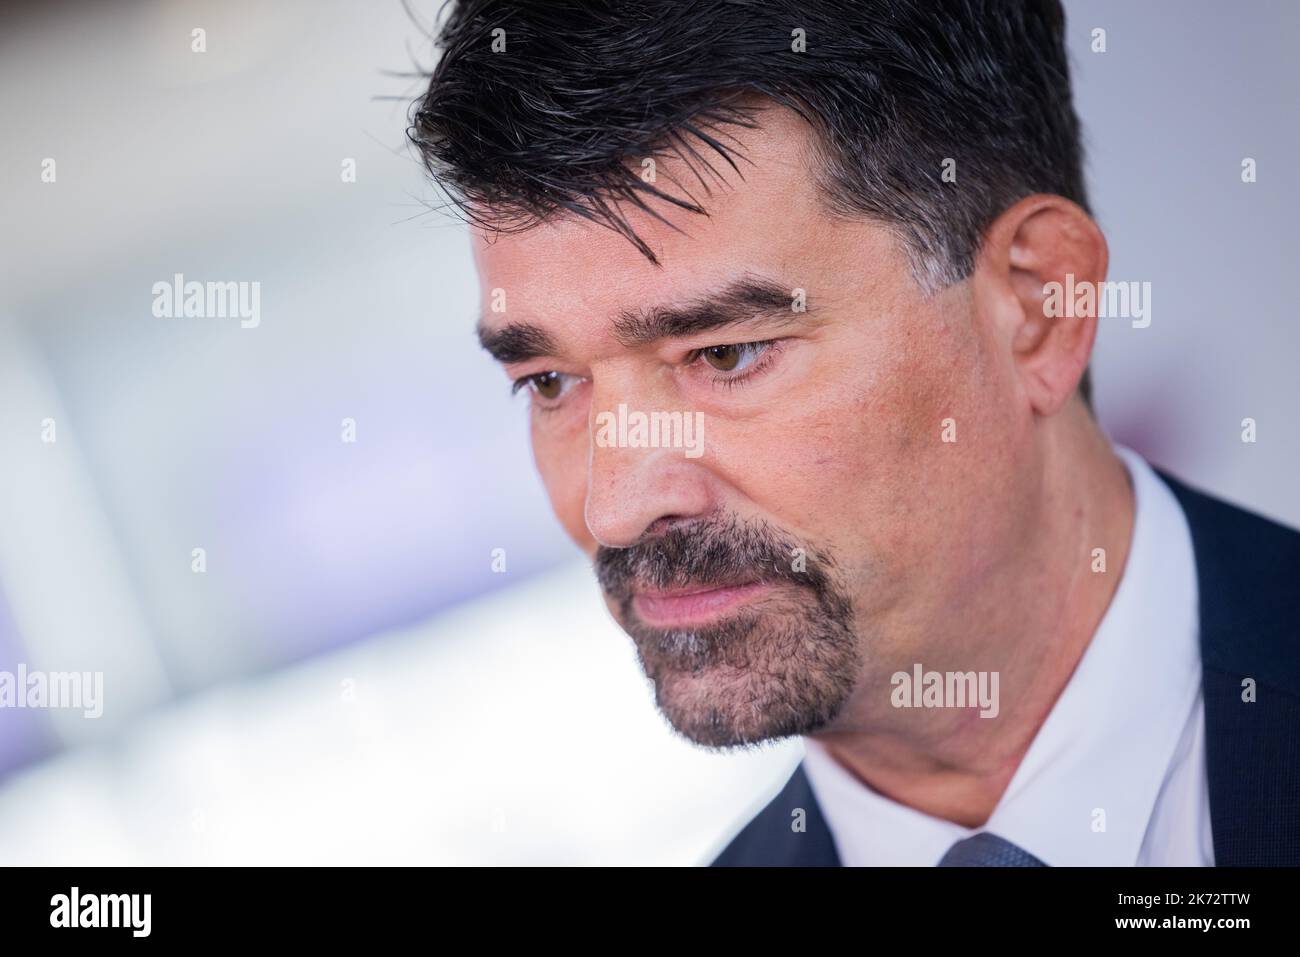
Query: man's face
x=828, y=530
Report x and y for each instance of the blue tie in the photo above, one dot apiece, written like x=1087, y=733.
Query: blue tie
x=988, y=850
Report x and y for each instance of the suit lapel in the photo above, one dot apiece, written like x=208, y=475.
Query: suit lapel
x=789, y=832
x=1248, y=572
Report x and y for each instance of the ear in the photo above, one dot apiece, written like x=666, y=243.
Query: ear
x=1033, y=256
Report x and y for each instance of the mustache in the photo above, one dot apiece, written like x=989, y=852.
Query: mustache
x=712, y=551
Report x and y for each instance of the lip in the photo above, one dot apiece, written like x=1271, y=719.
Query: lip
x=693, y=606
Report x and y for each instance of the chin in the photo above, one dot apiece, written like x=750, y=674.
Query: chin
x=753, y=677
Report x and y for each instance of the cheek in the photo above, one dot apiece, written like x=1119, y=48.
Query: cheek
x=560, y=453
x=929, y=470
x=856, y=463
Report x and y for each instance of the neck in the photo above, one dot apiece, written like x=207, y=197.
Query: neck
x=1040, y=611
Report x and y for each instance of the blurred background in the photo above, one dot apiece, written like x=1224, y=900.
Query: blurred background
x=352, y=677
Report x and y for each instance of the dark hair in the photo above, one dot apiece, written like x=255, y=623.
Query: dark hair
x=561, y=118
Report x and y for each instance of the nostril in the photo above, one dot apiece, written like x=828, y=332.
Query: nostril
x=663, y=524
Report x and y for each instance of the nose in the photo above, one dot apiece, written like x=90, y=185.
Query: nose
x=633, y=489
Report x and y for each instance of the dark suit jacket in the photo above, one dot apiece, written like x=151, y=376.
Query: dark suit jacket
x=1248, y=569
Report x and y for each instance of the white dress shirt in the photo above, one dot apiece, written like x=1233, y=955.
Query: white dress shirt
x=1125, y=739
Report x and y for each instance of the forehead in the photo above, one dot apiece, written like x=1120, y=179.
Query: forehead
x=766, y=218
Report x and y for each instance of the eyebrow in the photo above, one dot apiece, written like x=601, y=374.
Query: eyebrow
x=516, y=342
x=745, y=299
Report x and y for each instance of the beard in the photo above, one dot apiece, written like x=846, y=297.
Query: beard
x=781, y=665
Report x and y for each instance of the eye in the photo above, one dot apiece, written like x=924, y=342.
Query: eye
x=548, y=386
x=736, y=357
